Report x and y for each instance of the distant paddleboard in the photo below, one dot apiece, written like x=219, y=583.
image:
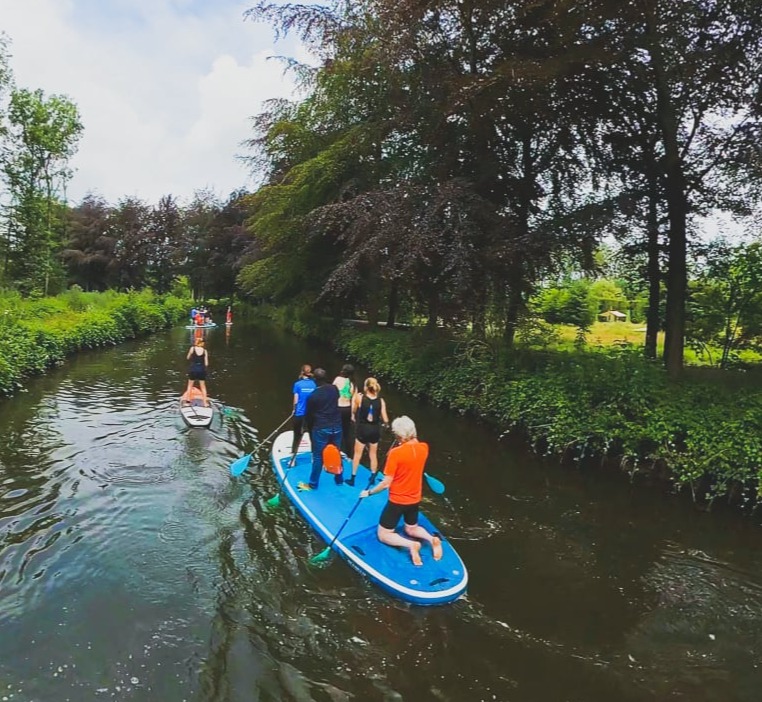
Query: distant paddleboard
x=201, y=326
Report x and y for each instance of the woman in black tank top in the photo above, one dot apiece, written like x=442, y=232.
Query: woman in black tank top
x=368, y=411
x=199, y=361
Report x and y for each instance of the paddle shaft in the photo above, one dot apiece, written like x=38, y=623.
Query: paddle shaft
x=272, y=434
x=238, y=466
x=349, y=516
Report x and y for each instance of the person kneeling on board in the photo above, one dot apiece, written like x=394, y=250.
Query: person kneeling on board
x=403, y=475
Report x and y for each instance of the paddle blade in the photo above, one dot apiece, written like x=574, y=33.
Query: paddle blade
x=273, y=502
x=436, y=486
x=239, y=466
x=322, y=557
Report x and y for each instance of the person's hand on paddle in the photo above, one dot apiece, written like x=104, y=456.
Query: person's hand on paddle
x=364, y=493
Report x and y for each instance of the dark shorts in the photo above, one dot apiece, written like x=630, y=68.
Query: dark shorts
x=197, y=375
x=390, y=517
x=368, y=433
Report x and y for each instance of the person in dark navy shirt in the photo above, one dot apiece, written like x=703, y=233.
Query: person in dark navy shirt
x=324, y=425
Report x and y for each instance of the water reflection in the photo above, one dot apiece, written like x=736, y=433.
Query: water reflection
x=132, y=567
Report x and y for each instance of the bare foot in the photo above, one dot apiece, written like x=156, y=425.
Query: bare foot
x=436, y=547
x=415, y=553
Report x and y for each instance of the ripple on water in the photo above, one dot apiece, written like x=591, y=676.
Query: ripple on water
x=124, y=474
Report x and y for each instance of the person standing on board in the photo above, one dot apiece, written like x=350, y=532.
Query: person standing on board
x=368, y=411
x=199, y=318
x=324, y=425
x=403, y=475
x=303, y=388
x=347, y=389
x=193, y=315
x=199, y=358
x=229, y=316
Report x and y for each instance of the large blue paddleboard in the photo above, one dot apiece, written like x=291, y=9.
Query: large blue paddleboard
x=201, y=326
x=435, y=582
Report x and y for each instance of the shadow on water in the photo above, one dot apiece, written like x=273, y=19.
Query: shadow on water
x=132, y=567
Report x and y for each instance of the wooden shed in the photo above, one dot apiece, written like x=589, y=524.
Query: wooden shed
x=612, y=316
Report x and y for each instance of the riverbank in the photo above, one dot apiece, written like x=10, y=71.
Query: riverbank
x=38, y=334
x=703, y=433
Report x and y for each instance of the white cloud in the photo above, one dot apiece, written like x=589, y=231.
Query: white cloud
x=165, y=88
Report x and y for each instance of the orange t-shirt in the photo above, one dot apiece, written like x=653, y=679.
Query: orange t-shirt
x=404, y=465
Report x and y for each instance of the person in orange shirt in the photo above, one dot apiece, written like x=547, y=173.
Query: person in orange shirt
x=403, y=475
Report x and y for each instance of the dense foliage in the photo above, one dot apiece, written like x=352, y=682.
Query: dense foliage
x=448, y=157
x=36, y=334
x=705, y=433
x=134, y=245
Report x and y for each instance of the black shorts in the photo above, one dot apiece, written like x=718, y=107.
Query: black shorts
x=197, y=375
x=368, y=433
x=390, y=517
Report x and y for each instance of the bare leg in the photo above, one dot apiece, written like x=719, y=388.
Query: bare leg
x=357, y=456
x=392, y=538
x=202, y=383
x=186, y=397
x=373, y=454
x=419, y=532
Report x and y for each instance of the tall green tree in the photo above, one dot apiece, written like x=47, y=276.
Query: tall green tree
x=42, y=136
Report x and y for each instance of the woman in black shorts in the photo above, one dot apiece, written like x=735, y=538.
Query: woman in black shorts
x=199, y=361
x=368, y=411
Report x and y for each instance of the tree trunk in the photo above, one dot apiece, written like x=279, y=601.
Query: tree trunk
x=526, y=195
x=431, y=322
x=677, y=205
x=391, y=318
x=654, y=271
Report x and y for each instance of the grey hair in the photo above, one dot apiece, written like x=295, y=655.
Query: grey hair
x=404, y=428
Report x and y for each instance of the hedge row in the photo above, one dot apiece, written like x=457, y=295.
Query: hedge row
x=705, y=433
x=38, y=334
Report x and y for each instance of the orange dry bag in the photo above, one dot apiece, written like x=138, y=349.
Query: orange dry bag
x=332, y=459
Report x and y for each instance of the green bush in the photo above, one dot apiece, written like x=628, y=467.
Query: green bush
x=583, y=405
x=36, y=334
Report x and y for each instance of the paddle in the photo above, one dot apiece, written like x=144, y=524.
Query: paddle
x=241, y=464
x=323, y=556
x=274, y=501
x=228, y=411
x=437, y=486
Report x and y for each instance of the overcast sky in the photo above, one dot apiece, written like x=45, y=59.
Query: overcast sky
x=165, y=88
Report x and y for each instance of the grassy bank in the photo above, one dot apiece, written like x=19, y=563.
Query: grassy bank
x=704, y=433
x=37, y=334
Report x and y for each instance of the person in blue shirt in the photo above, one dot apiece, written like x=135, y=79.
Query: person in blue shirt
x=303, y=388
x=194, y=312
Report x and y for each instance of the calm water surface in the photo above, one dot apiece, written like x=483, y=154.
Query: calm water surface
x=133, y=568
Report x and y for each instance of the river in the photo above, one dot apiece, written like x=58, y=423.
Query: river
x=132, y=567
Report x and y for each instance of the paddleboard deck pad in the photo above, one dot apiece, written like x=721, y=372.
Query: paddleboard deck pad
x=325, y=509
x=193, y=411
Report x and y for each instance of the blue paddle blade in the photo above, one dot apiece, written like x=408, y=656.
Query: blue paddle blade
x=240, y=465
x=436, y=486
